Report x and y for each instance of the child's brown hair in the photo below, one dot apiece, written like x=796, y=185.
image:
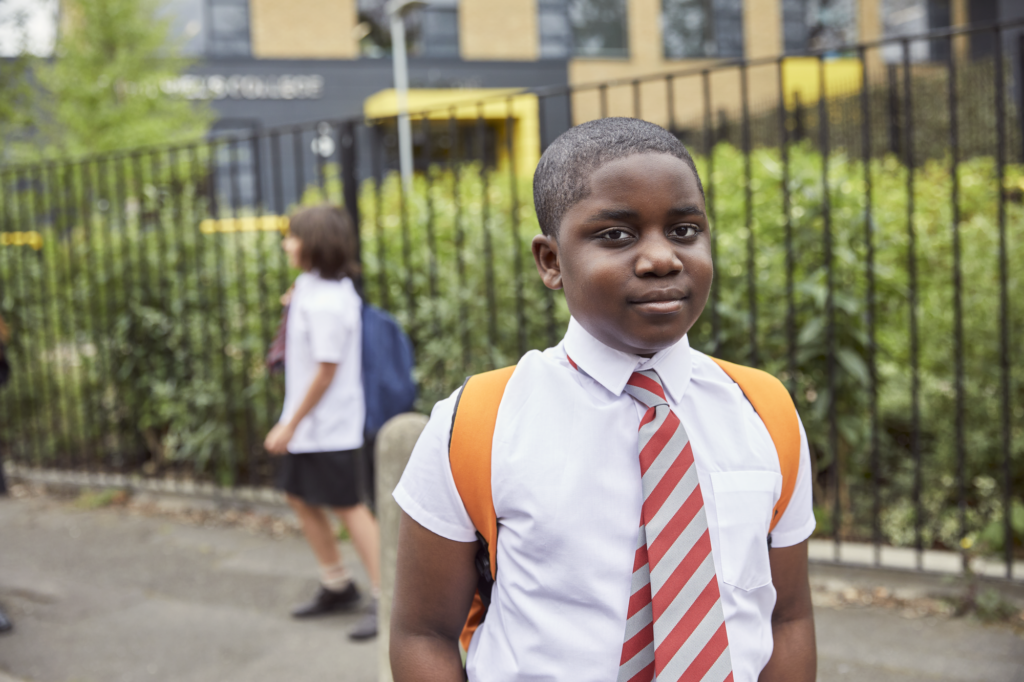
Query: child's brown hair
x=328, y=238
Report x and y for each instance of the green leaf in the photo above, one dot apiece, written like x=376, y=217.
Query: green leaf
x=812, y=332
x=854, y=365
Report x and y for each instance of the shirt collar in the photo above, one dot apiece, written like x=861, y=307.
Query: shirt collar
x=612, y=368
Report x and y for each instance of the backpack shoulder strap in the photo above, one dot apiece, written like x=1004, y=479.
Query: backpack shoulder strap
x=774, y=405
x=469, y=452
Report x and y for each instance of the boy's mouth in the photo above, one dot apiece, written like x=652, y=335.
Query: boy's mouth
x=660, y=302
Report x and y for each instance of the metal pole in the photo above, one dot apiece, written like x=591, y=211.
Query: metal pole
x=400, y=64
x=1020, y=89
x=869, y=265
x=349, y=177
x=830, y=317
x=958, y=316
x=748, y=206
x=1004, y=304
x=791, y=333
x=915, y=379
x=709, y=188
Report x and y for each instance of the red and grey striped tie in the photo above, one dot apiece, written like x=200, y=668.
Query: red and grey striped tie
x=675, y=629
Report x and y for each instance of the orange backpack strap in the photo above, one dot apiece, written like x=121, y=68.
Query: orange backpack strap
x=774, y=405
x=469, y=452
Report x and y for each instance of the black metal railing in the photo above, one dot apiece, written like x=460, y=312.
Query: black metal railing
x=865, y=204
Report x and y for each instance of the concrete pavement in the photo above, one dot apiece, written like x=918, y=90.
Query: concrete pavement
x=108, y=596
x=878, y=645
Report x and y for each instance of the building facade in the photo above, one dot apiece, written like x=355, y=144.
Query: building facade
x=272, y=62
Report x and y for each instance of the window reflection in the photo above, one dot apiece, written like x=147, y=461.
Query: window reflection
x=599, y=28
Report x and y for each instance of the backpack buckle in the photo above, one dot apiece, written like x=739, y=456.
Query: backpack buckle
x=485, y=582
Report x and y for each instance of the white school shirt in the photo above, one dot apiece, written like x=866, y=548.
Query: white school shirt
x=324, y=325
x=565, y=477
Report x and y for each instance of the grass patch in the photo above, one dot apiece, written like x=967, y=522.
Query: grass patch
x=98, y=499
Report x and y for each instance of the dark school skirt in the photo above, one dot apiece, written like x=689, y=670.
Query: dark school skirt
x=324, y=479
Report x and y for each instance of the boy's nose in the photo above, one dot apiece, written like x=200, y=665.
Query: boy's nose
x=657, y=258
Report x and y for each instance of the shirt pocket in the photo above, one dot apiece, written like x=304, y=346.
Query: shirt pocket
x=743, y=502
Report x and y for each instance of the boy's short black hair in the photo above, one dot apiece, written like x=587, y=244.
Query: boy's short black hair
x=328, y=241
x=562, y=178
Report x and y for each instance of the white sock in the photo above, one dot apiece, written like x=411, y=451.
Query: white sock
x=335, y=578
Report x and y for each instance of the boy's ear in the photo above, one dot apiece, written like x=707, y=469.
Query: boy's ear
x=545, y=255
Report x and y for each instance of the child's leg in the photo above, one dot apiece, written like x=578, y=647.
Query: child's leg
x=363, y=530
x=316, y=526
x=337, y=591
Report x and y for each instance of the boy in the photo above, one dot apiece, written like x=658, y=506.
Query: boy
x=582, y=434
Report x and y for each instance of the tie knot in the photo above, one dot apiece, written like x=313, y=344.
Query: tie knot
x=646, y=387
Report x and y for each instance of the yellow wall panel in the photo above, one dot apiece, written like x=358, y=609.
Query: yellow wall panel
x=762, y=28
x=498, y=29
x=303, y=29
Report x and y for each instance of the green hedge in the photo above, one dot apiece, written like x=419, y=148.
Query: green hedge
x=138, y=341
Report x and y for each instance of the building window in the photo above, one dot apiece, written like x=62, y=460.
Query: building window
x=687, y=28
x=910, y=17
x=439, y=30
x=795, y=29
x=818, y=24
x=186, y=24
x=430, y=31
x=553, y=29
x=702, y=28
x=227, y=33
x=598, y=28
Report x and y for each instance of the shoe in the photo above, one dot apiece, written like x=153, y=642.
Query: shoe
x=5, y=623
x=329, y=601
x=366, y=628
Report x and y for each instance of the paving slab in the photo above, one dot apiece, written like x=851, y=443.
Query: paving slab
x=110, y=595
x=881, y=645
x=106, y=596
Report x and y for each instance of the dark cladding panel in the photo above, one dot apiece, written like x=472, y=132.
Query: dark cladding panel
x=286, y=92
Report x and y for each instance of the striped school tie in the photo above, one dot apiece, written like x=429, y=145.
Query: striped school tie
x=676, y=627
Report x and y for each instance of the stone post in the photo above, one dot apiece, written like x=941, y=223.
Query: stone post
x=394, y=445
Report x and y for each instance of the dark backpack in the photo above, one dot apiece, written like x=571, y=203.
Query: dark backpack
x=388, y=386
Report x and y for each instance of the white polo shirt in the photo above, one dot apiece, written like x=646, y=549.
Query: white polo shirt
x=325, y=325
x=565, y=478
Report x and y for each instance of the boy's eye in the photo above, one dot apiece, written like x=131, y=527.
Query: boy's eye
x=615, y=235
x=685, y=231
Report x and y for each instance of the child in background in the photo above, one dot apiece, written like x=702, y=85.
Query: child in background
x=621, y=425
x=319, y=436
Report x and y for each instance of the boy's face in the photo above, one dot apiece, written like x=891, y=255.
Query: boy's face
x=634, y=257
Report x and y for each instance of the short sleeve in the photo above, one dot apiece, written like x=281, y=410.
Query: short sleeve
x=427, y=491
x=797, y=522
x=331, y=331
